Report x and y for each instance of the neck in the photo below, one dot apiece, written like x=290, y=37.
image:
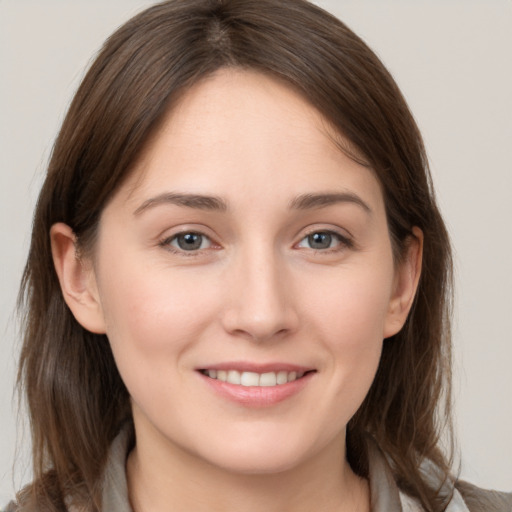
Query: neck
x=162, y=477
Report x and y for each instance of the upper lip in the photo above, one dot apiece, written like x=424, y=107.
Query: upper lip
x=247, y=366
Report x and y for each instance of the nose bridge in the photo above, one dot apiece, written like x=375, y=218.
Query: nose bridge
x=261, y=305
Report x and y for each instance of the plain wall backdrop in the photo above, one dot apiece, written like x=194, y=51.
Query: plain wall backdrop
x=453, y=62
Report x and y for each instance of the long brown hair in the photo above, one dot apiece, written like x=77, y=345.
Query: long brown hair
x=76, y=399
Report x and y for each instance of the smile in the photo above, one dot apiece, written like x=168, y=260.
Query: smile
x=256, y=385
x=253, y=379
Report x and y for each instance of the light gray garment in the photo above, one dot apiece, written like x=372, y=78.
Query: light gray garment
x=385, y=495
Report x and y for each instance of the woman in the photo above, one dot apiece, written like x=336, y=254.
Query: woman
x=238, y=283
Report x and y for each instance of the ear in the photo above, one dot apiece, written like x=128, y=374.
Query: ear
x=77, y=279
x=407, y=276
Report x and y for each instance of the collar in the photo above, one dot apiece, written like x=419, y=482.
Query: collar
x=384, y=493
x=385, y=496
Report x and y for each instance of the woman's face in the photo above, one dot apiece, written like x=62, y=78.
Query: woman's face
x=245, y=279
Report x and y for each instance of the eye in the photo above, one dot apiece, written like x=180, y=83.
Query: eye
x=189, y=241
x=322, y=240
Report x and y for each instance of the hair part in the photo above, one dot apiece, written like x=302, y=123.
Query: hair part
x=76, y=399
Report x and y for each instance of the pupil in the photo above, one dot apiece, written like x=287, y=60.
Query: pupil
x=189, y=241
x=320, y=240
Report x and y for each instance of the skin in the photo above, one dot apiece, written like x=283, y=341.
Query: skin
x=256, y=291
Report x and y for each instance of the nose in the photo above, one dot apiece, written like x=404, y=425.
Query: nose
x=260, y=304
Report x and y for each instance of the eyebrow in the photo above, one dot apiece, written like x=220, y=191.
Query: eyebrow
x=197, y=201
x=214, y=203
x=311, y=201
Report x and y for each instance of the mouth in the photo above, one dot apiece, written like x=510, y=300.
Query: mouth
x=256, y=385
x=255, y=379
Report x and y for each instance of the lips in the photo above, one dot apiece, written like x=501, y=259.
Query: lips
x=256, y=385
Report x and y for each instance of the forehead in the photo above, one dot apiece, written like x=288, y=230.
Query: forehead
x=239, y=131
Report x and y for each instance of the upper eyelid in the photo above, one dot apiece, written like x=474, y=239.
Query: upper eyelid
x=174, y=242
x=168, y=239
x=166, y=244
x=187, y=228
x=341, y=232
x=344, y=241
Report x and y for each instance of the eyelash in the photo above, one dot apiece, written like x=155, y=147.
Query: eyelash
x=343, y=242
x=166, y=243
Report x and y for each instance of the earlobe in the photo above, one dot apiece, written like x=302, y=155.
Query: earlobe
x=77, y=279
x=406, y=283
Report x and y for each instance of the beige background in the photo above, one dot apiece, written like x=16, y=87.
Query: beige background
x=452, y=60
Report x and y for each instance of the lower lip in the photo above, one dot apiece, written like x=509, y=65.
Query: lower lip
x=257, y=396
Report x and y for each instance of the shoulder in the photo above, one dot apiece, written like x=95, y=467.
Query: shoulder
x=483, y=500
x=16, y=507
x=11, y=507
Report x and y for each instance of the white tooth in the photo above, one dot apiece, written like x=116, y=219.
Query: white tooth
x=282, y=377
x=268, y=379
x=233, y=377
x=249, y=379
x=222, y=375
x=292, y=376
x=212, y=374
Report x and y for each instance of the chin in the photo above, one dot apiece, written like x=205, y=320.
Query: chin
x=258, y=455
x=249, y=463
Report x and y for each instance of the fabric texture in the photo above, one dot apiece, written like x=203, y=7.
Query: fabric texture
x=385, y=496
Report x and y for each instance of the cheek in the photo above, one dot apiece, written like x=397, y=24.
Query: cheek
x=151, y=313
x=352, y=306
x=349, y=318
x=153, y=322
